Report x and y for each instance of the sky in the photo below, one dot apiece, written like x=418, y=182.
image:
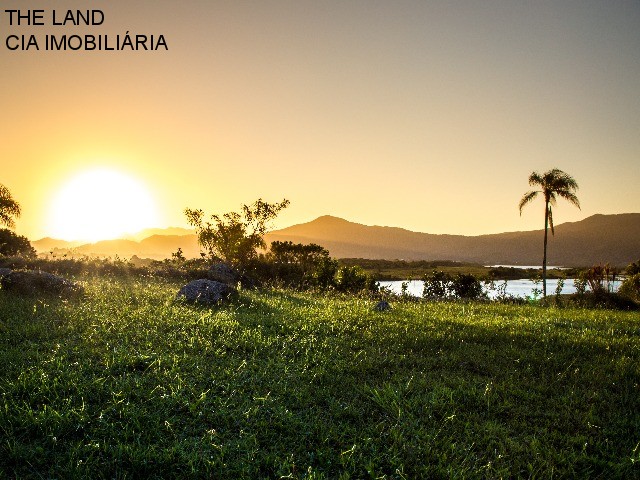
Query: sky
x=426, y=115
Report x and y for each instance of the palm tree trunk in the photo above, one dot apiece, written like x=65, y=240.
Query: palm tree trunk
x=544, y=258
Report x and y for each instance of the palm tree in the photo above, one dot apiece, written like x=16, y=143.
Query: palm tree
x=9, y=208
x=554, y=183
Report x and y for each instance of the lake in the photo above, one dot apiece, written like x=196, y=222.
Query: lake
x=517, y=288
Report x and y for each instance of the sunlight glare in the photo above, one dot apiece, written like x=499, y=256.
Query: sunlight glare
x=101, y=204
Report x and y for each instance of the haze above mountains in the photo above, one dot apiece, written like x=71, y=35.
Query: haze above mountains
x=613, y=239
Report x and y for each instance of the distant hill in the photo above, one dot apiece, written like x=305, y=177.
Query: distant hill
x=613, y=239
x=157, y=247
x=169, y=231
x=46, y=244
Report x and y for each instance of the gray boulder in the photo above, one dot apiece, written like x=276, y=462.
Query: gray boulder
x=35, y=282
x=382, y=306
x=205, y=292
x=5, y=271
x=223, y=273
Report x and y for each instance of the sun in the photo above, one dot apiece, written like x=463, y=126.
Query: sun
x=101, y=204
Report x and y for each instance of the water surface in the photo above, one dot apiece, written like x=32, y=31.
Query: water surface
x=517, y=288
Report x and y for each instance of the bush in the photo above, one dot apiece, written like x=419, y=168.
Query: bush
x=630, y=288
x=354, y=280
x=466, y=285
x=633, y=268
x=441, y=285
x=301, y=266
x=235, y=236
x=436, y=285
x=12, y=244
x=295, y=266
x=600, y=278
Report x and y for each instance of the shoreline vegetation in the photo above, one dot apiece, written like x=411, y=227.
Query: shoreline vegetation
x=378, y=269
x=415, y=270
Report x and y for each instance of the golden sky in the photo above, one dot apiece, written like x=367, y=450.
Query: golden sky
x=427, y=115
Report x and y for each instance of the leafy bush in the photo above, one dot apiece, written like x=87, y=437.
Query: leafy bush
x=235, y=236
x=294, y=265
x=353, y=279
x=633, y=268
x=600, y=278
x=630, y=288
x=436, y=285
x=308, y=267
x=601, y=299
x=441, y=285
x=466, y=285
x=300, y=265
x=12, y=244
x=580, y=284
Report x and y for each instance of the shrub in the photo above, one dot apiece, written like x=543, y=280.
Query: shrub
x=12, y=244
x=353, y=280
x=633, y=268
x=294, y=265
x=300, y=265
x=235, y=236
x=466, y=285
x=581, y=285
x=436, y=285
x=441, y=285
x=602, y=299
x=600, y=278
x=630, y=288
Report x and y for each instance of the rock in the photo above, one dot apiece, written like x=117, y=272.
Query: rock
x=205, y=292
x=32, y=282
x=4, y=272
x=382, y=306
x=223, y=273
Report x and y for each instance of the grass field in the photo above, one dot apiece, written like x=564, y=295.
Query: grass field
x=128, y=384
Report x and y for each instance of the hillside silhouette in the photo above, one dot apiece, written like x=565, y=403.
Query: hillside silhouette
x=613, y=239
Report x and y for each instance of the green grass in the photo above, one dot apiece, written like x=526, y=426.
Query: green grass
x=128, y=384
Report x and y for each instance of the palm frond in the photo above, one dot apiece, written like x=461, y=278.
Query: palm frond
x=570, y=197
x=528, y=197
x=536, y=179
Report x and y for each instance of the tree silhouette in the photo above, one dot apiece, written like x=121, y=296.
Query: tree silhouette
x=234, y=237
x=554, y=183
x=9, y=208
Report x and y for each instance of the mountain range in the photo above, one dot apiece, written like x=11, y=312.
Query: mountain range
x=613, y=239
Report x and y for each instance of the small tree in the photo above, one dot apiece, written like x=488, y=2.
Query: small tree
x=354, y=279
x=630, y=288
x=298, y=264
x=633, y=268
x=9, y=208
x=436, y=285
x=12, y=244
x=466, y=285
x=235, y=236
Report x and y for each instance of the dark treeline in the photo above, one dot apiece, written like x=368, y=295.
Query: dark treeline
x=369, y=263
x=404, y=270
